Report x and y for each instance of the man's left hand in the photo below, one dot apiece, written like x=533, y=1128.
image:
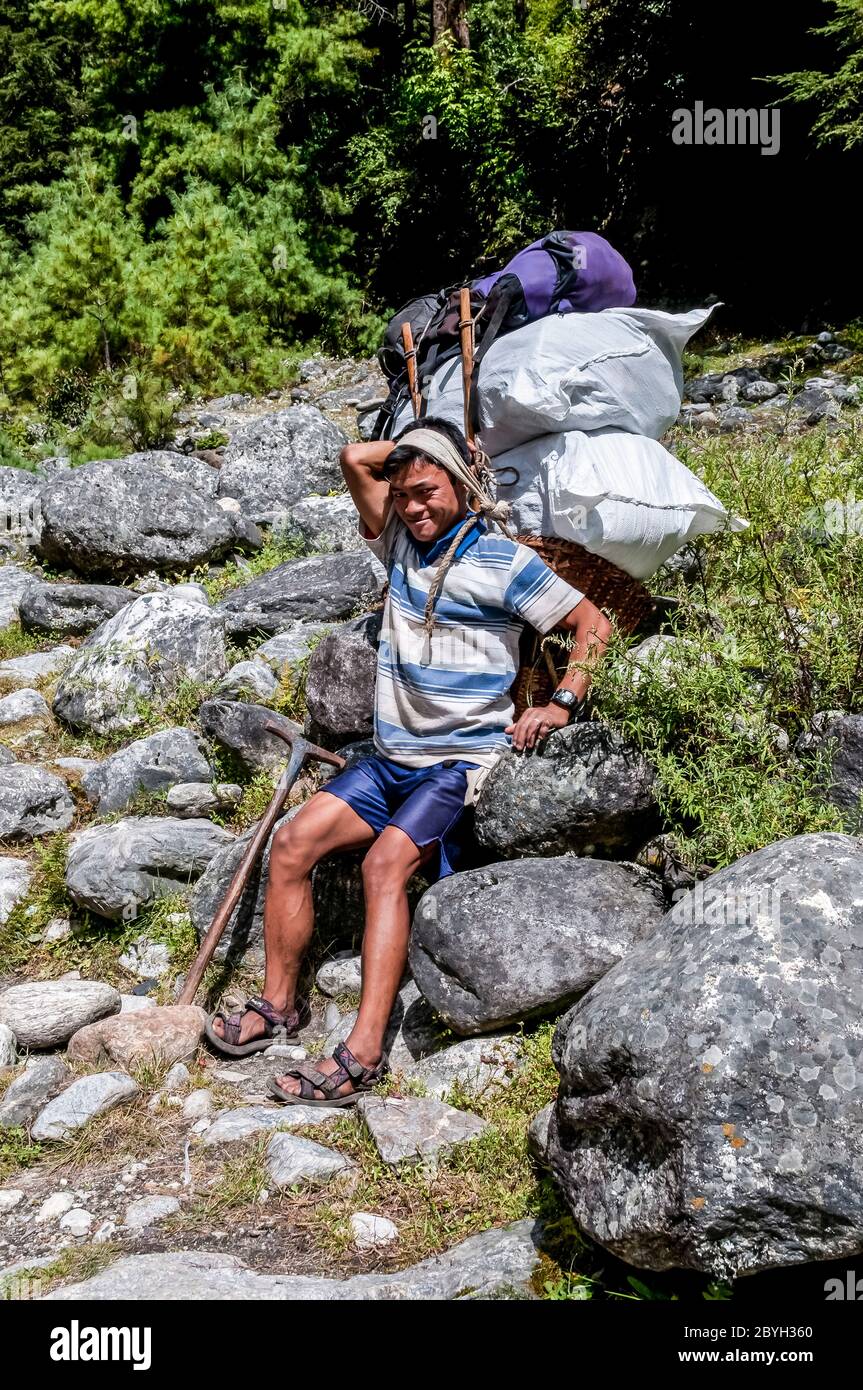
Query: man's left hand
x=535, y=723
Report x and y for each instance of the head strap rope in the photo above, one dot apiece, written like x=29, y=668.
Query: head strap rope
x=477, y=477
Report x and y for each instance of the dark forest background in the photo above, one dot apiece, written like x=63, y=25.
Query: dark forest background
x=196, y=187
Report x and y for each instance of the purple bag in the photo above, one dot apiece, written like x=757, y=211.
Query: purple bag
x=562, y=273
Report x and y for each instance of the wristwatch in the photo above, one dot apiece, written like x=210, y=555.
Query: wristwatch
x=568, y=700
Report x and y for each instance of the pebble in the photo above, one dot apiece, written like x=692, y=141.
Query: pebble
x=198, y=1105
x=55, y=1206
x=331, y=1016
x=77, y=1221
x=104, y=1232
x=177, y=1077
x=295, y=1054
x=370, y=1231
x=57, y=930
x=10, y=1197
x=232, y=1078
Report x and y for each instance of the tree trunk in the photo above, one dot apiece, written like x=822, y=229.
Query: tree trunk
x=452, y=15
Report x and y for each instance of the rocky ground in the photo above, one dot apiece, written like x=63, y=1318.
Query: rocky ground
x=690, y=1098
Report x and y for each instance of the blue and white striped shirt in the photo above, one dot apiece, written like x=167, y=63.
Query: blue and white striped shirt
x=448, y=695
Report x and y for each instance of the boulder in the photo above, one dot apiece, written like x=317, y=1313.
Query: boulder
x=839, y=738
x=150, y=764
x=141, y=654
x=114, y=518
x=276, y=459
x=147, y=1211
x=709, y=1106
x=343, y=976
x=177, y=468
x=235, y=1126
x=414, y=1128
x=41, y=1080
x=70, y=609
x=82, y=1102
x=25, y=708
x=32, y=802
x=291, y=646
x=160, y=1036
x=327, y=588
x=29, y=670
x=558, y=925
x=46, y=1013
x=196, y=799
x=115, y=870
x=585, y=791
x=241, y=727
x=340, y=686
x=325, y=524
x=14, y=883
x=478, y=1066
x=253, y=680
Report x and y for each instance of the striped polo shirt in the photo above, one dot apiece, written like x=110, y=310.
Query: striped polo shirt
x=448, y=695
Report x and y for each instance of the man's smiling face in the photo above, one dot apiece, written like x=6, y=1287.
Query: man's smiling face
x=427, y=499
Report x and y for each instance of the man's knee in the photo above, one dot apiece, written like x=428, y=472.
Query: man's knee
x=292, y=853
x=388, y=865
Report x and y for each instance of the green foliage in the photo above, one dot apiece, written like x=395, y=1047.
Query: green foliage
x=773, y=634
x=838, y=92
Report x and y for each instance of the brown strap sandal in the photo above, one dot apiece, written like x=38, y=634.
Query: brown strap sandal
x=361, y=1078
x=279, y=1027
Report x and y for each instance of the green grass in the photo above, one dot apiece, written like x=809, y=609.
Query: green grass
x=14, y=641
x=17, y=1151
x=73, y=1265
x=276, y=550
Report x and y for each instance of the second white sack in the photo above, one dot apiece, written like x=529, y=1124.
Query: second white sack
x=619, y=495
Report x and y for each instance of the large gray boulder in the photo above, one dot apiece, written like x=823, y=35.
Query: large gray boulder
x=33, y=802
x=177, y=468
x=81, y=1102
x=115, y=518
x=45, y=1013
x=324, y=523
x=24, y=672
x=150, y=764
x=710, y=1098
x=328, y=588
x=274, y=460
x=585, y=790
x=838, y=738
x=140, y=655
x=557, y=926
x=241, y=727
x=340, y=685
x=115, y=870
x=70, y=609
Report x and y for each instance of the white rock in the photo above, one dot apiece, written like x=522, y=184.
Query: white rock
x=47, y=1013
x=370, y=1231
x=55, y=1206
x=340, y=976
x=294, y=1054
x=291, y=1160
x=77, y=1221
x=10, y=1197
x=58, y=929
x=148, y=1210
x=148, y=960
x=21, y=705
x=21, y=672
x=135, y=1003
x=178, y=1077
x=8, y=1047
x=81, y=1102
x=104, y=1232
x=14, y=883
x=198, y=1105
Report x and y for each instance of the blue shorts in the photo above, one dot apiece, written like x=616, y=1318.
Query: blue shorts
x=427, y=803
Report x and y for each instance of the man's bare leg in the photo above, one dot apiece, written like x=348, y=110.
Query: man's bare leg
x=387, y=868
x=325, y=824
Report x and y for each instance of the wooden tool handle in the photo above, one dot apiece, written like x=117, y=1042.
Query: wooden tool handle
x=465, y=333
x=411, y=360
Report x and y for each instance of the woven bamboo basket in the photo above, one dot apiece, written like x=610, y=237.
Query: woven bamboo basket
x=543, y=665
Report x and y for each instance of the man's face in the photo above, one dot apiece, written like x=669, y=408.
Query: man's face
x=428, y=499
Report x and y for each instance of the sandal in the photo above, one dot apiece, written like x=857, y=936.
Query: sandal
x=311, y=1080
x=280, y=1027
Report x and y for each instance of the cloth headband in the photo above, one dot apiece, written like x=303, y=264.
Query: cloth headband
x=444, y=452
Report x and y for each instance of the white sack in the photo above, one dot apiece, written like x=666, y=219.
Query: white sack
x=618, y=495
x=619, y=369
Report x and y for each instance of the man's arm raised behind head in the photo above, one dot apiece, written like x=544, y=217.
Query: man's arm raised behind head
x=361, y=464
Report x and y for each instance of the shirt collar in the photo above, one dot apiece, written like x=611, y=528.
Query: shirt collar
x=429, y=554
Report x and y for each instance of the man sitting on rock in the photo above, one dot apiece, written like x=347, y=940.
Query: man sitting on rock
x=458, y=596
